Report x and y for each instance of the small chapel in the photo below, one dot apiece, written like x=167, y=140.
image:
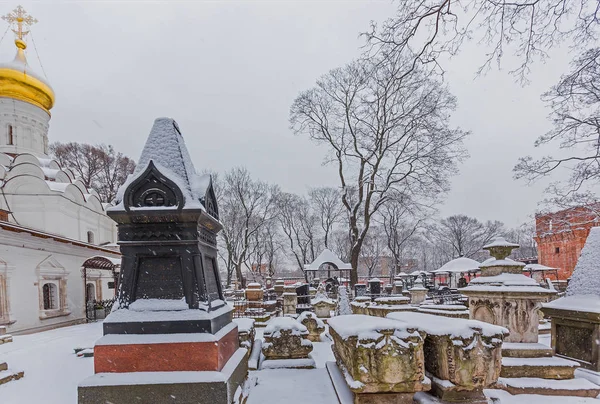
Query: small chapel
x=50, y=223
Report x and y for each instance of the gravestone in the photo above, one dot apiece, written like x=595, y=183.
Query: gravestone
x=360, y=290
x=303, y=294
x=374, y=287
x=170, y=313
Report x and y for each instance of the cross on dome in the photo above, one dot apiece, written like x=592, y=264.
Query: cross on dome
x=20, y=17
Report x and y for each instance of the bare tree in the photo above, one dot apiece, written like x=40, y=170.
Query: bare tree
x=115, y=167
x=575, y=114
x=262, y=255
x=400, y=225
x=99, y=167
x=341, y=244
x=424, y=30
x=524, y=236
x=247, y=205
x=427, y=29
x=84, y=160
x=326, y=202
x=465, y=235
x=384, y=134
x=299, y=225
x=373, y=251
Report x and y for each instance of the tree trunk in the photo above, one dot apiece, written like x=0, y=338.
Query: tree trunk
x=240, y=277
x=354, y=254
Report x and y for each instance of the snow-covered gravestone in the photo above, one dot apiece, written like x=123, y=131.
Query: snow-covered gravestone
x=170, y=316
x=576, y=317
x=286, y=345
x=321, y=303
x=377, y=359
x=502, y=295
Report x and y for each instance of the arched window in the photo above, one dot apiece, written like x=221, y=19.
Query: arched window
x=90, y=292
x=90, y=237
x=50, y=295
x=10, y=139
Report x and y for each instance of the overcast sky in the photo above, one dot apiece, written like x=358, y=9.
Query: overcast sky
x=229, y=71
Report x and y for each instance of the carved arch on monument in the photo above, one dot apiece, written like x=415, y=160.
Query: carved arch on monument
x=152, y=189
x=484, y=313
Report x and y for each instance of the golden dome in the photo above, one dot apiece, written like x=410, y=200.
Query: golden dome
x=19, y=82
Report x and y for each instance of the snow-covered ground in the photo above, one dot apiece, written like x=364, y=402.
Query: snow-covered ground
x=52, y=372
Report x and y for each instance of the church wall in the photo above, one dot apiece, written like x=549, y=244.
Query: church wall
x=33, y=261
x=53, y=213
x=30, y=127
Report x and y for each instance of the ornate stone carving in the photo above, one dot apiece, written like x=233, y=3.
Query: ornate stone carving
x=378, y=355
x=313, y=324
x=286, y=338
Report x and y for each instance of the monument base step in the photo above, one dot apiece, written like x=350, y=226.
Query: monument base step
x=525, y=350
x=127, y=353
x=8, y=375
x=224, y=387
x=532, y=385
x=447, y=391
x=301, y=363
x=347, y=396
x=544, y=368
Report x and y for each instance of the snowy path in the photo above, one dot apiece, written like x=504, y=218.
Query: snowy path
x=52, y=370
x=292, y=386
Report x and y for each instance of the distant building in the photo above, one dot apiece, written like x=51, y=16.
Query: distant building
x=561, y=236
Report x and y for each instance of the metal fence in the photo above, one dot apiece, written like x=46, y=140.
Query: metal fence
x=98, y=309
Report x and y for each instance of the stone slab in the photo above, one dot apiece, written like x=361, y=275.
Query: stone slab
x=448, y=391
x=569, y=387
x=165, y=356
x=346, y=396
x=525, y=350
x=167, y=387
x=8, y=376
x=211, y=325
x=545, y=368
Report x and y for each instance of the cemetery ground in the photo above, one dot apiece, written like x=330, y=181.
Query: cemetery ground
x=52, y=372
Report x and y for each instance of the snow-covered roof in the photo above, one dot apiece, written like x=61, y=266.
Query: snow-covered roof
x=458, y=265
x=166, y=149
x=586, y=275
x=327, y=257
x=538, y=268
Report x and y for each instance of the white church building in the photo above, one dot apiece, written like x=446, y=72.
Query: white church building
x=50, y=223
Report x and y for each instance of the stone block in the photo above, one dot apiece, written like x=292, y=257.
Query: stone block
x=246, y=332
x=290, y=300
x=382, y=306
x=279, y=286
x=286, y=338
x=165, y=387
x=574, y=332
x=313, y=324
x=462, y=356
x=254, y=292
x=378, y=355
x=323, y=307
x=360, y=305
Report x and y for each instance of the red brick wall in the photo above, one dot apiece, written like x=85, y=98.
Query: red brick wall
x=566, y=231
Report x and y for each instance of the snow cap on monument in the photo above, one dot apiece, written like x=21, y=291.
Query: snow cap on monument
x=586, y=275
x=166, y=149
